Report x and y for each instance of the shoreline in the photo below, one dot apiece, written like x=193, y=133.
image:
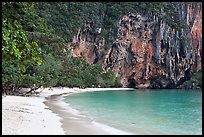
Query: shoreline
x=29, y=115
x=32, y=116
x=71, y=119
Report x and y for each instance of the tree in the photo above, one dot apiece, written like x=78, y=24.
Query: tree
x=17, y=52
x=49, y=70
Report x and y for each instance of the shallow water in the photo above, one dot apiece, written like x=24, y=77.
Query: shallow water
x=143, y=111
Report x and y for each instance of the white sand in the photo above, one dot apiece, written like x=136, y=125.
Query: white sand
x=30, y=116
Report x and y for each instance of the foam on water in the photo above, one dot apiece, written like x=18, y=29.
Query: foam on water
x=141, y=112
x=77, y=114
x=111, y=130
x=70, y=109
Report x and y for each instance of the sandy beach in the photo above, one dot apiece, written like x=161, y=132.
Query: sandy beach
x=49, y=115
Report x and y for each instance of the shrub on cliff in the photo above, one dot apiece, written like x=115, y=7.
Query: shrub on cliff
x=108, y=79
x=195, y=81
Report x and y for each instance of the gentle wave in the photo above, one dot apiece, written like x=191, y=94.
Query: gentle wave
x=154, y=112
x=111, y=130
x=77, y=114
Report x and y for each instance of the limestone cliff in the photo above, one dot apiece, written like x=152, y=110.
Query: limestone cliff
x=88, y=43
x=149, y=51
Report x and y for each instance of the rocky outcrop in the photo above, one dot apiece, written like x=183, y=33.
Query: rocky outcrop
x=88, y=43
x=151, y=50
x=149, y=53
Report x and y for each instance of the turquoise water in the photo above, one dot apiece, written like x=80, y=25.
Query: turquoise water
x=143, y=111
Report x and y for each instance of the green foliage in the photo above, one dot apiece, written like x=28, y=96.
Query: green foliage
x=23, y=12
x=195, y=81
x=49, y=70
x=65, y=18
x=78, y=73
x=34, y=36
x=11, y=73
x=15, y=45
x=30, y=79
x=108, y=79
x=18, y=53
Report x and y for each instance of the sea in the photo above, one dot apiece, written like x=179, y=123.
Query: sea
x=143, y=112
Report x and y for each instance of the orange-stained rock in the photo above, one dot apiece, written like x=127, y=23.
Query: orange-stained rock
x=143, y=58
x=148, y=52
x=88, y=43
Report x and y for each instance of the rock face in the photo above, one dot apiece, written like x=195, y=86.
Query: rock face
x=88, y=43
x=148, y=52
x=132, y=54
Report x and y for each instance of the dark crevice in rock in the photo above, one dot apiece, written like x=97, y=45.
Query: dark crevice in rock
x=150, y=50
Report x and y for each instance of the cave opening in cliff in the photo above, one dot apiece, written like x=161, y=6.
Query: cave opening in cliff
x=131, y=83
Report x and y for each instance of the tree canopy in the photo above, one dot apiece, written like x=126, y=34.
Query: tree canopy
x=34, y=35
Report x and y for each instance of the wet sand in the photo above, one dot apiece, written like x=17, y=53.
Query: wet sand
x=76, y=124
x=47, y=114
